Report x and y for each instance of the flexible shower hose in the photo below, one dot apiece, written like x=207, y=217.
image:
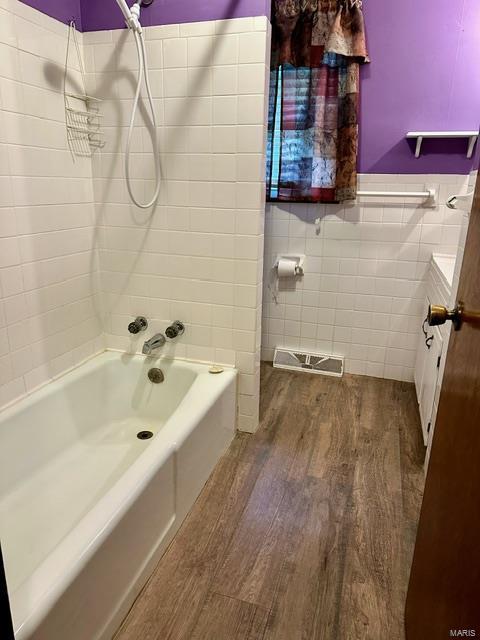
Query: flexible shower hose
x=142, y=73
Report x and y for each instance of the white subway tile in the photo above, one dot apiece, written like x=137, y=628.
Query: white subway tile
x=251, y=78
x=225, y=110
x=224, y=168
x=163, y=32
x=252, y=47
x=251, y=109
x=197, y=29
x=175, y=53
x=250, y=139
x=225, y=80
x=224, y=139
x=225, y=50
x=200, y=51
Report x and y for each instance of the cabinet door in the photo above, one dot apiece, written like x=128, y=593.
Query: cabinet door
x=429, y=381
x=422, y=352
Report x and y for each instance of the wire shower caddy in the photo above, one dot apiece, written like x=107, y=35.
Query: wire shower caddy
x=82, y=111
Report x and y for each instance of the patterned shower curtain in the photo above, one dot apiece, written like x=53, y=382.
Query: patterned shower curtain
x=317, y=47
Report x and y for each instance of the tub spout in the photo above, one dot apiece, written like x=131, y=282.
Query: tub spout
x=157, y=341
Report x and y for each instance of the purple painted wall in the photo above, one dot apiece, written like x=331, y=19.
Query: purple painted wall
x=104, y=14
x=423, y=75
x=63, y=10
x=94, y=15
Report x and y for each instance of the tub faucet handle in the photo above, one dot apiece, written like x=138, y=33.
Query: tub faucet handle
x=139, y=324
x=176, y=329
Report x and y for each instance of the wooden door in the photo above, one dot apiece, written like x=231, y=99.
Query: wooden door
x=6, y=627
x=443, y=598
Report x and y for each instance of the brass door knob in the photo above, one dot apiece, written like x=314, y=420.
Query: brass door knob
x=438, y=314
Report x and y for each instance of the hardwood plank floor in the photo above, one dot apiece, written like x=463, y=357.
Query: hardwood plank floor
x=305, y=530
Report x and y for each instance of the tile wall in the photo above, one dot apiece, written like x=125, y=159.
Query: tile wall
x=363, y=292
x=48, y=273
x=198, y=257
x=77, y=261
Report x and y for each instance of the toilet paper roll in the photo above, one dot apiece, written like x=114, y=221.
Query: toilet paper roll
x=286, y=268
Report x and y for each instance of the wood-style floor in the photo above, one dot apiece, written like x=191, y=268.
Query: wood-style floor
x=305, y=530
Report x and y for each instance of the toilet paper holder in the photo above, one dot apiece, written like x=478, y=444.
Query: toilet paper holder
x=298, y=259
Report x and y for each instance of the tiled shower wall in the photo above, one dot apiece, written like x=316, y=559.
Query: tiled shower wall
x=363, y=293
x=48, y=317
x=198, y=256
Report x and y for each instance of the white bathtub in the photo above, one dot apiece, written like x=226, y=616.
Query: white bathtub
x=86, y=508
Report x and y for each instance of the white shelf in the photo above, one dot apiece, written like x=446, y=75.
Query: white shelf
x=420, y=135
x=83, y=122
x=82, y=96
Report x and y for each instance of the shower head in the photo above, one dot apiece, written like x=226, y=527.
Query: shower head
x=146, y=3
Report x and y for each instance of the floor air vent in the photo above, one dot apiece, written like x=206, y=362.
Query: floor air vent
x=309, y=362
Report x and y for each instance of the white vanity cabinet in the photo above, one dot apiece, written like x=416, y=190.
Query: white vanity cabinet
x=427, y=367
x=432, y=344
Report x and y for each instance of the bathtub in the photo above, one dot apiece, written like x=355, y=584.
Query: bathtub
x=86, y=507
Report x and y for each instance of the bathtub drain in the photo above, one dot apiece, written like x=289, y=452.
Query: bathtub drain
x=144, y=435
